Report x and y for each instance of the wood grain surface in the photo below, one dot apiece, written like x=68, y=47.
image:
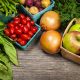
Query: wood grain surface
x=34, y=64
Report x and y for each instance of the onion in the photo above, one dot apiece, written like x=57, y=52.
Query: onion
x=45, y=3
x=33, y=10
x=50, y=21
x=37, y=3
x=50, y=41
x=29, y=3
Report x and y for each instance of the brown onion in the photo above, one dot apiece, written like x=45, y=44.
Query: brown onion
x=50, y=41
x=50, y=21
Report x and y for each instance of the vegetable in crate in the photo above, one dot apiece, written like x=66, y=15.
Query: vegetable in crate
x=21, y=29
x=38, y=4
x=45, y=3
x=33, y=10
x=29, y=3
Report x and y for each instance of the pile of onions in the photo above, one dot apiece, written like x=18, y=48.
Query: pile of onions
x=50, y=40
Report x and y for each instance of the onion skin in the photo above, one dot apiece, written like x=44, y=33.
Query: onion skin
x=29, y=3
x=50, y=41
x=50, y=21
x=45, y=3
x=33, y=10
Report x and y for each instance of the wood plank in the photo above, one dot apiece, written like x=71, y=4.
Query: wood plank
x=37, y=65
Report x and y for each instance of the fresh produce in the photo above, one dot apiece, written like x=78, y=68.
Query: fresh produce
x=33, y=10
x=50, y=21
x=5, y=67
x=37, y=3
x=45, y=3
x=29, y=3
x=68, y=9
x=7, y=55
x=8, y=7
x=71, y=41
x=21, y=29
x=9, y=50
x=75, y=27
x=35, y=6
x=50, y=41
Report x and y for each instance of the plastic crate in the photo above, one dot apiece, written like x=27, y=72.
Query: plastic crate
x=30, y=41
x=38, y=15
x=34, y=36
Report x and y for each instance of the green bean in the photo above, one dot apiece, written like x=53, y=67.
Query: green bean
x=13, y=7
x=2, y=10
x=17, y=1
x=5, y=8
x=9, y=12
x=7, y=2
x=12, y=2
x=0, y=5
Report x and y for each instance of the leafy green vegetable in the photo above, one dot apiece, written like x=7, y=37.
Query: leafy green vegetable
x=9, y=50
x=7, y=55
x=68, y=10
x=5, y=67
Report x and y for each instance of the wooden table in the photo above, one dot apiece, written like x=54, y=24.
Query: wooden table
x=37, y=65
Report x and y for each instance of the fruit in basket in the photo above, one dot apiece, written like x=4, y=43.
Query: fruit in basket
x=75, y=27
x=71, y=41
x=50, y=41
x=21, y=29
x=33, y=10
x=50, y=21
x=45, y=3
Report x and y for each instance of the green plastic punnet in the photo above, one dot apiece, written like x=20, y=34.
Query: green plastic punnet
x=38, y=15
x=8, y=19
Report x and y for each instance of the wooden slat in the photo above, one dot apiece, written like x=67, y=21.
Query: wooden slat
x=37, y=65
